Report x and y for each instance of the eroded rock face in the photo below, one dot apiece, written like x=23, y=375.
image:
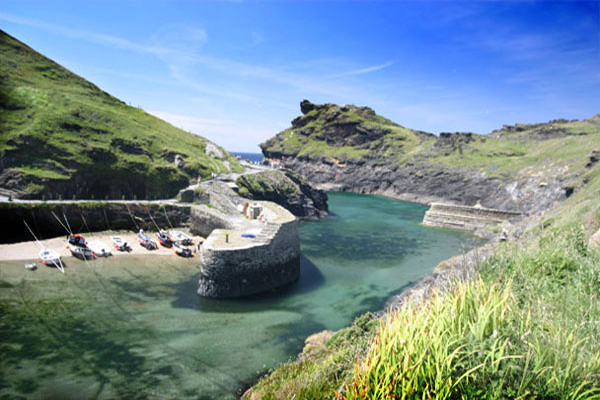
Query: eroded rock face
x=287, y=189
x=350, y=148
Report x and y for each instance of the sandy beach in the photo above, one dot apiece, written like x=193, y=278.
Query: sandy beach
x=30, y=250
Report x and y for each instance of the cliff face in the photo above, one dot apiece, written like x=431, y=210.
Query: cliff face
x=62, y=136
x=526, y=168
x=286, y=189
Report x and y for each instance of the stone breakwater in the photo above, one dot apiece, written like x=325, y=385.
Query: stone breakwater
x=265, y=257
x=466, y=217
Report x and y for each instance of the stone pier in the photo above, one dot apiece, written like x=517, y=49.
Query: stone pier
x=465, y=217
x=244, y=256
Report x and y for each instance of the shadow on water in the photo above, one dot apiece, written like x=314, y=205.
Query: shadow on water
x=310, y=279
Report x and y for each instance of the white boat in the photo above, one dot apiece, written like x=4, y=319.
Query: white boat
x=83, y=253
x=180, y=237
x=77, y=245
x=119, y=243
x=52, y=258
x=99, y=248
x=182, y=251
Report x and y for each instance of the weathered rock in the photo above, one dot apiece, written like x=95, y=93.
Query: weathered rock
x=359, y=151
x=306, y=106
x=179, y=161
x=286, y=189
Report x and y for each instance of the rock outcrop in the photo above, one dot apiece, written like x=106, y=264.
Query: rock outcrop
x=287, y=189
x=350, y=148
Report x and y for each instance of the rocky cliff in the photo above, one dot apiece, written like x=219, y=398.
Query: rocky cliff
x=287, y=189
x=525, y=168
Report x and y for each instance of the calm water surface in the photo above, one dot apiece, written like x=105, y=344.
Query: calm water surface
x=134, y=327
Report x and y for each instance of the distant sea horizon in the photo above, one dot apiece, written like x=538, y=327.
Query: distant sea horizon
x=256, y=157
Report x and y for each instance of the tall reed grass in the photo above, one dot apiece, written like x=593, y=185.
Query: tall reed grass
x=528, y=327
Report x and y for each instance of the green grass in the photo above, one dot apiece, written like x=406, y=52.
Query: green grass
x=505, y=156
x=525, y=327
x=267, y=184
x=313, y=135
x=54, y=125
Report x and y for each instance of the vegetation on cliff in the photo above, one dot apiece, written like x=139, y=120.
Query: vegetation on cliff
x=525, y=168
x=286, y=189
x=62, y=135
x=524, y=325
x=340, y=133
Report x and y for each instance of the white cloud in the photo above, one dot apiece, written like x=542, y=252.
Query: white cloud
x=366, y=70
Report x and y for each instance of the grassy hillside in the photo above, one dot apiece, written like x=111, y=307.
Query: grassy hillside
x=525, y=322
x=351, y=133
x=341, y=133
x=62, y=135
x=554, y=145
x=524, y=326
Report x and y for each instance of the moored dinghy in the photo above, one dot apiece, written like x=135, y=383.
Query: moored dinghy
x=100, y=249
x=182, y=251
x=47, y=256
x=77, y=245
x=52, y=258
x=180, y=237
x=119, y=243
x=164, y=239
x=146, y=241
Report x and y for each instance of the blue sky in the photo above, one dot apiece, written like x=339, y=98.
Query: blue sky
x=236, y=71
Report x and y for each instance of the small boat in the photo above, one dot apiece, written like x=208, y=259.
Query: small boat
x=182, y=251
x=248, y=235
x=99, y=248
x=119, y=244
x=49, y=257
x=77, y=245
x=77, y=240
x=164, y=239
x=83, y=253
x=180, y=237
x=52, y=258
x=146, y=241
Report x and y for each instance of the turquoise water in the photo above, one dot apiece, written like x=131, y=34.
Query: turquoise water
x=134, y=327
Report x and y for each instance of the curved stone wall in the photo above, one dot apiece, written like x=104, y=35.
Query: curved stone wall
x=252, y=265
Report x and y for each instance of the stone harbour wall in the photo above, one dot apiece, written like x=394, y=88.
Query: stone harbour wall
x=465, y=217
x=85, y=216
x=204, y=220
x=269, y=260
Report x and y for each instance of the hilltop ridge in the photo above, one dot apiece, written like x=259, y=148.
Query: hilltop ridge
x=62, y=136
x=525, y=167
